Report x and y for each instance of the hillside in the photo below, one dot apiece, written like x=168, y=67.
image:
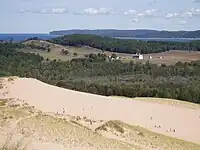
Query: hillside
x=50, y=117
x=132, y=33
x=171, y=34
x=122, y=45
x=54, y=51
x=98, y=75
x=51, y=51
x=106, y=32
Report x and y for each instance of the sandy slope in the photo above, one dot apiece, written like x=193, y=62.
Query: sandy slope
x=159, y=118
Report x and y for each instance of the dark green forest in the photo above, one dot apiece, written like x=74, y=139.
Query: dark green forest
x=95, y=74
x=122, y=45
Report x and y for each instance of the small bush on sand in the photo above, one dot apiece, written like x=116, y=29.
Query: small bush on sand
x=3, y=102
x=10, y=79
x=141, y=134
x=111, y=124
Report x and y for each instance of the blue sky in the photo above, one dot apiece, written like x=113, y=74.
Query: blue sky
x=42, y=16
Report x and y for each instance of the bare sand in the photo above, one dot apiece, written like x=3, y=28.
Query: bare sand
x=174, y=121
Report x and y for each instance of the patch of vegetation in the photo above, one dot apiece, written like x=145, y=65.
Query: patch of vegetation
x=96, y=74
x=141, y=136
x=64, y=52
x=69, y=131
x=101, y=128
x=76, y=123
x=10, y=79
x=3, y=102
x=38, y=44
x=75, y=54
x=9, y=145
x=1, y=85
x=8, y=113
x=113, y=125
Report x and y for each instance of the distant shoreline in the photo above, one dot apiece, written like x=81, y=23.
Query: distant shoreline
x=137, y=33
x=160, y=39
x=21, y=37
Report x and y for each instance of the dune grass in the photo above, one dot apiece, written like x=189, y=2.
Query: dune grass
x=3, y=102
x=142, y=137
x=47, y=128
x=10, y=145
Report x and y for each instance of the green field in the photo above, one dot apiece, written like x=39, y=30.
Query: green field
x=168, y=57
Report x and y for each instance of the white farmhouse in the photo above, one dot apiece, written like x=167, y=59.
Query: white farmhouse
x=141, y=56
x=138, y=56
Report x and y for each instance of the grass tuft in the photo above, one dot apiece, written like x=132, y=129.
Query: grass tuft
x=3, y=102
x=9, y=145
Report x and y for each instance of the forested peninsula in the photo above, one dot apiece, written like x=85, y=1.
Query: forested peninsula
x=138, y=33
x=124, y=45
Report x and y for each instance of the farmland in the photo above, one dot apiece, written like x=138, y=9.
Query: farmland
x=169, y=57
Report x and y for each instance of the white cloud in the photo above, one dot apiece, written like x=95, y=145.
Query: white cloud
x=46, y=11
x=171, y=15
x=191, y=13
x=140, y=14
x=22, y=11
x=130, y=12
x=59, y=10
x=195, y=12
x=111, y=11
x=98, y=11
x=148, y=13
x=187, y=14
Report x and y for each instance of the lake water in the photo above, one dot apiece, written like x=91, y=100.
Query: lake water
x=22, y=37
x=162, y=39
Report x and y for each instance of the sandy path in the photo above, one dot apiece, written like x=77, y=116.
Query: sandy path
x=156, y=117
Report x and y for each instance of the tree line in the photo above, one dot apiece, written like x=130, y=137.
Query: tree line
x=97, y=75
x=124, y=45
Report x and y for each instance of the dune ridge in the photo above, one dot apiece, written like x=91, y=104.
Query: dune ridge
x=98, y=113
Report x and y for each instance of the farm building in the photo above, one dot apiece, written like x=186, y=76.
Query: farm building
x=138, y=56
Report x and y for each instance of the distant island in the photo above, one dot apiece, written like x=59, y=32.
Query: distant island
x=132, y=33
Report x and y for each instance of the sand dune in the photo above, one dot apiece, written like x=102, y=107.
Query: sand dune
x=175, y=121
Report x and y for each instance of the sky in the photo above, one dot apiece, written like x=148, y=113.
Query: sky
x=43, y=16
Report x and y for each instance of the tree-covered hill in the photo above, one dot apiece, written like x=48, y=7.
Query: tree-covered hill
x=140, y=33
x=171, y=34
x=122, y=45
x=96, y=75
